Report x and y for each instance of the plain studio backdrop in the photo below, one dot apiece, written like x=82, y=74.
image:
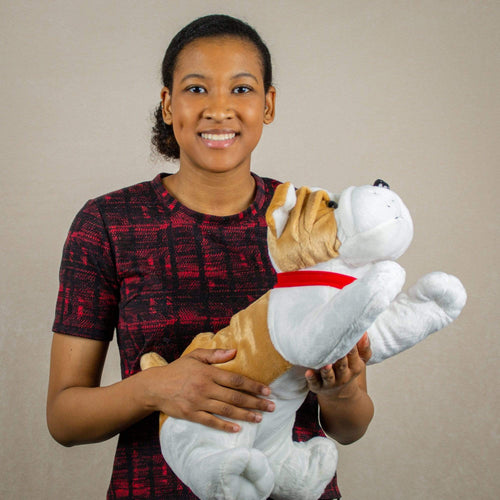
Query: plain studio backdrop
x=402, y=90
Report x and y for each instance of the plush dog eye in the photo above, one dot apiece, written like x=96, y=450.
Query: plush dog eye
x=332, y=204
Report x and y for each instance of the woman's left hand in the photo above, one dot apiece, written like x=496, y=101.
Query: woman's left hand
x=338, y=380
x=346, y=409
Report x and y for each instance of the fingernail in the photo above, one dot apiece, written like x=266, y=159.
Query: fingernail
x=270, y=406
x=258, y=417
x=266, y=391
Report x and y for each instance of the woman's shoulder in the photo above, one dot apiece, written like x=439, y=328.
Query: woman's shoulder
x=120, y=207
x=267, y=184
x=265, y=187
x=268, y=181
x=140, y=193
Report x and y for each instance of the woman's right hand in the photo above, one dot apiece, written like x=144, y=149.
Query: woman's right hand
x=80, y=410
x=191, y=389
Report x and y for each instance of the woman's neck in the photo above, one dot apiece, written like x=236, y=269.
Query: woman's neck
x=220, y=194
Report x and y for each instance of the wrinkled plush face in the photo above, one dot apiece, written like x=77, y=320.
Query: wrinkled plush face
x=369, y=224
x=302, y=228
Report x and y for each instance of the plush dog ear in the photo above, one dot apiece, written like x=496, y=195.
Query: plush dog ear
x=277, y=214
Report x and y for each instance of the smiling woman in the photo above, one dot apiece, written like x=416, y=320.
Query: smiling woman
x=216, y=26
x=222, y=96
x=217, y=107
x=164, y=260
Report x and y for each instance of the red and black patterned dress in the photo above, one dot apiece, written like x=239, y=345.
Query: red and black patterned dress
x=138, y=262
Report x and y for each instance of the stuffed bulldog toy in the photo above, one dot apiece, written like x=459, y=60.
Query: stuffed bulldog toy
x=337, y=278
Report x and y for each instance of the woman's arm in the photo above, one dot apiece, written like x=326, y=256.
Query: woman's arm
x=80, y=411
x=346, y=409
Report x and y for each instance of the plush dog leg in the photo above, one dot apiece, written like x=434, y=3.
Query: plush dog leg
x=315, y=336
x=302, y=470
x=216, y=464
x=432, y=303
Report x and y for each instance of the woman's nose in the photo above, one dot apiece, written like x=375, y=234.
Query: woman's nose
x=218, y=108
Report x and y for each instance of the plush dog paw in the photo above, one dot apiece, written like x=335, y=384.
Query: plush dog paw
x=444, y=289
x=388, y=277
x=246, y=475
x=306, y=471
x=432, y=303
x=381, y=283
x=150, y=360
x=229, y=474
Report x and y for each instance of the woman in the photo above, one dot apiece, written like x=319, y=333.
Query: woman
x=164, y=260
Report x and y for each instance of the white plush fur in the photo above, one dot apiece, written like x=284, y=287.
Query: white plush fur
x=310, y=327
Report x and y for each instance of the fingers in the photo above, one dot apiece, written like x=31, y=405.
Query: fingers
x=364, y=348
x=213, y=356
x=343, y=368
x=333, y=377
x=222, y=403
x=226, y=378
x=328, y=375
x=212, y=421
x=314, y=381
x=212, y=394
x=235, y=407
x=354, y=362
x=241, y=383
x=235, y=404
x=318, y=380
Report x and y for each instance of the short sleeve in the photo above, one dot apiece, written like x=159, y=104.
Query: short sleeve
x=87, y=302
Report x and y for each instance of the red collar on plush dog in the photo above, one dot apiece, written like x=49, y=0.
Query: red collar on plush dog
x=313, y=278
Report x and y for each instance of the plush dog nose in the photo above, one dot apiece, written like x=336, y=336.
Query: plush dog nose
x=381, y=183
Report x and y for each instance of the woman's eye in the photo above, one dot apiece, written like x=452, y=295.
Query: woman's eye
x=242, y=89
x=195, y=89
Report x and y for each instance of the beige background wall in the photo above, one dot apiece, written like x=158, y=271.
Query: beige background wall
x=402, y=90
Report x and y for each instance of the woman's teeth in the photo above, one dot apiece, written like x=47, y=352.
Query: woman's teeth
x=218, y=137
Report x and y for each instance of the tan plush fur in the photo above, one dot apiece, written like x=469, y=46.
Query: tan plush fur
x=248, y=333
x=308, y=234
x=256, y=357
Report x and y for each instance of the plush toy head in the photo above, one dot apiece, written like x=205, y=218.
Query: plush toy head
x=361, y=225
x=373, y=224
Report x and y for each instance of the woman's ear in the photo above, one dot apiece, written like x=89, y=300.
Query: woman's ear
x=270, y=107
x=166, y=105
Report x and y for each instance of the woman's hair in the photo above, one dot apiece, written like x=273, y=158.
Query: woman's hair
x=212, y=26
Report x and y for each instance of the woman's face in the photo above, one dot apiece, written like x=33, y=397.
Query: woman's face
x=217, y=105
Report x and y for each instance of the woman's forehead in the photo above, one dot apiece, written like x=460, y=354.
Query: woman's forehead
x=219, y=54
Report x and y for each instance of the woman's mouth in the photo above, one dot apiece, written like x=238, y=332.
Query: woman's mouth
x=218, y=140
